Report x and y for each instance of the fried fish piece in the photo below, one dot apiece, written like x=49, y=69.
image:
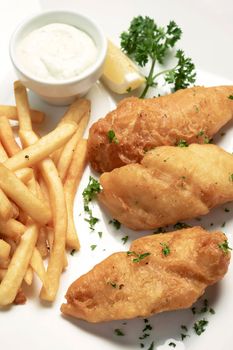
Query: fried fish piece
x=150, y=279
x=193, y=115
x=171, y=184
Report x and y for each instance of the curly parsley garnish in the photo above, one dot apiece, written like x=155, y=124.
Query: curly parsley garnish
x=230, y=97
x=146, y=42
x=224, y=246
x=125, y=239
x=112, y=137
x=138, y=257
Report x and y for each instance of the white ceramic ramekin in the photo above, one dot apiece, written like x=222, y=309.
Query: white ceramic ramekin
x=61, y=92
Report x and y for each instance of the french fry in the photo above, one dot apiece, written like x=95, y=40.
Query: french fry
x=12, y=229
x=18, y=266
x=41, y=243
x=42, y=148
x=11, y=113
x=73, y=178
x=7, y=137
x=20, y=194
x=22, y=106
x=15, y=210
x=3, y=154
x=28, y=277
x=6, y=209
x=5, y=249
x=24, y=174
x=20, y=298
x=77, y=110
x=57, y=200
x=38, y=266
x=68, y=149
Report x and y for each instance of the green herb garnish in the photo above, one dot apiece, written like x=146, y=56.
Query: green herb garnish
x=93, y=246
x=115, y=223
x=73, y=251
x=230, y=97
x=224, y=246
x=139, y=257
x=172, y=344
x=182, y=143
x=200, y=326
x=231, y=177
x=89, y=193
x=184, y=328
x=125, y=239
x=181, y=225
x=112, y=137
x=166, y=250
x=119, y=332
x=146, y=42
x=151, y=347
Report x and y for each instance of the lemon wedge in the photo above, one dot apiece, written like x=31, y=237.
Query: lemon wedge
x=120, y=74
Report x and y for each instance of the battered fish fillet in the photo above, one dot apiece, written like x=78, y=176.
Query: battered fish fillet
x=122, y=288
x=193, y=115
x=171, y=184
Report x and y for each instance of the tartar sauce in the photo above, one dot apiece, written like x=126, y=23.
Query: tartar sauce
x=56, y=52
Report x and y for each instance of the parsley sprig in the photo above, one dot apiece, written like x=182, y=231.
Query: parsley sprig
x=146, y=42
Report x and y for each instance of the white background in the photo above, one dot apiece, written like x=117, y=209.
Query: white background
x=207, y=38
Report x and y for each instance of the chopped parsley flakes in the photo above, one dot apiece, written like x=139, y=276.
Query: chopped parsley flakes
x=166, y=250
x=125, y=239
x=112, y=137
x=224, y=246
x=200, y=326
x=230, y=97
x=115, y=223
x=182, y=143
x=181, y=225
x=93, y=246
x=138, y=257
x=172, y=344
x=89, y=193
x=119, y=332
x=231, y=177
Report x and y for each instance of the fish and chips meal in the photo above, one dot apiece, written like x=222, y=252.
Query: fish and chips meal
x=157, y=167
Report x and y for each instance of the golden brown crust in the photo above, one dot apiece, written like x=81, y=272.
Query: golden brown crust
x=141, y=125
x=171, y=184
x=119, y=288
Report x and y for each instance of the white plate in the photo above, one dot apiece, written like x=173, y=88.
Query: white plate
x=38, y=326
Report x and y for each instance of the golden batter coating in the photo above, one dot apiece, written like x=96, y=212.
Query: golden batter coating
x=123, y=288
x=171, y=184
x=193, y=115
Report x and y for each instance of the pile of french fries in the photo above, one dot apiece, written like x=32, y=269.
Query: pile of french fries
x=38, y=182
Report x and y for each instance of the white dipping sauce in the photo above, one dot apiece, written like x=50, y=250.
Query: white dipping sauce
x=56, y=52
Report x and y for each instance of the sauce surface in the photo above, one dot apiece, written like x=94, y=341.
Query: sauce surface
x=56, y=52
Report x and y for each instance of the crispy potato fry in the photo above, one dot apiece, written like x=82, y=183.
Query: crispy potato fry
x=15, y=210
x=20, y=298
x=57, y=200
x=38, y=266
x=18, y=266
x=77, y=110
x=20, y=194
x=12, y=229
x=5, y=249
x=7, y=137
x=42, y=148
x=28, y=276
x=41, y=243
x=6, y=209
x=68, y=149
x=24, y=174
x=11, y=113
x=75, y=173
x=3, y=154
x=22, y=106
